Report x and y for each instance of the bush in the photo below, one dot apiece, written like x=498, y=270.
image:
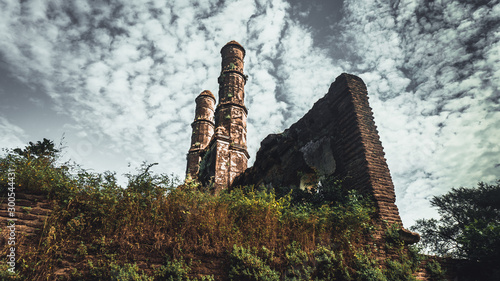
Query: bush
x=469, y=227
x=128, y=272
x=175, y=270
x=250, y=264
x=298, y=263
x=435, y=271
x=102, y=228
x=330, y=265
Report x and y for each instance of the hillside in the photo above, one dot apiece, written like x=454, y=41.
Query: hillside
x=83, y=226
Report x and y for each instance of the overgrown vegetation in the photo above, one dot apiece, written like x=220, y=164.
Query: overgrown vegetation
x=156, y=229
x=469, y=229
x=435, y=271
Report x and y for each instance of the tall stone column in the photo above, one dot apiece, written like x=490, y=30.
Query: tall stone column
x=203, y=130
x=231, y=113
x=218, y=156
x=227, y=155
x=230, y=144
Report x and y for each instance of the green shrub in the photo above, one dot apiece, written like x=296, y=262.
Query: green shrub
x=250, y=264
x=263, y=234
x=298, y=265
x=407, y=259
x=330, y=265
x=367, y=268
x=128, y=272
x=397, y=270
x=174, y=270
x=113, y=271
x=436, y=272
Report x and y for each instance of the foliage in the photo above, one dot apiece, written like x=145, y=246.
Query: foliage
x=250, y=264
x=177, y=270
x=408, y=258
x=328, y=190
x=101, y=228
x=435, y=271
x=128, y=272
x=35, y=169
x=367, y=269
x=469, y=227
x=45, y=148
x=330, y=265
x=115, y=272
x=298, y=263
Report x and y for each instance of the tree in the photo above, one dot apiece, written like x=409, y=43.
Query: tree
x=469, y=227
x=43, y=148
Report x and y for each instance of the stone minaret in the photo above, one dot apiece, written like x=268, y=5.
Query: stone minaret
x=230, y=140
x=226, y=155
x=203, y=130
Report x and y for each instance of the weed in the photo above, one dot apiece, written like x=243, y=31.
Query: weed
x=264, y=234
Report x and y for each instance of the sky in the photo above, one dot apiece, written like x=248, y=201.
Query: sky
x=115, y=81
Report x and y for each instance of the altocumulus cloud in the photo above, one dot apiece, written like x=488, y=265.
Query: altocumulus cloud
x=432, y=71
x=11, y=133
x=130, y=70
x=127, y=72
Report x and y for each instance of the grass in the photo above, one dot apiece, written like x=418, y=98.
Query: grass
x=98, y=227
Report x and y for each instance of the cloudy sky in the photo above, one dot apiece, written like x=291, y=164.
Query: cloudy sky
x=118, y=79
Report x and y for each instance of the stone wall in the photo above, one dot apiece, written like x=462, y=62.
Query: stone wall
x=337, y=137
x=31, y=212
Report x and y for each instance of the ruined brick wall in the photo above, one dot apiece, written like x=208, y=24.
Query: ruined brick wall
x=365, y=166
x=31, y=212
x=336, y=137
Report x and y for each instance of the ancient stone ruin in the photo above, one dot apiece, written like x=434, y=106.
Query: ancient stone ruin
x=218, y=150
x=337, y=137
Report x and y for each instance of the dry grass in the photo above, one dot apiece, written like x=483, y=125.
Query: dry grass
x=96, y=224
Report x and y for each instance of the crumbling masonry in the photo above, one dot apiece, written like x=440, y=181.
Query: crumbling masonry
x=337, y=137
x=218, y=150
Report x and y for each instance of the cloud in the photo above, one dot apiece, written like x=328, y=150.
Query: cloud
x=11, y=136
x=130, y=70
x=430, y=69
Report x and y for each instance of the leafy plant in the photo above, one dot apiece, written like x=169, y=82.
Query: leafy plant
x=264, y=234
x=469, y=227
x=128, y=272
x=330, y=265
x=249, y=264
x=298, y=265
x=174, y=270
x=436, y=272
